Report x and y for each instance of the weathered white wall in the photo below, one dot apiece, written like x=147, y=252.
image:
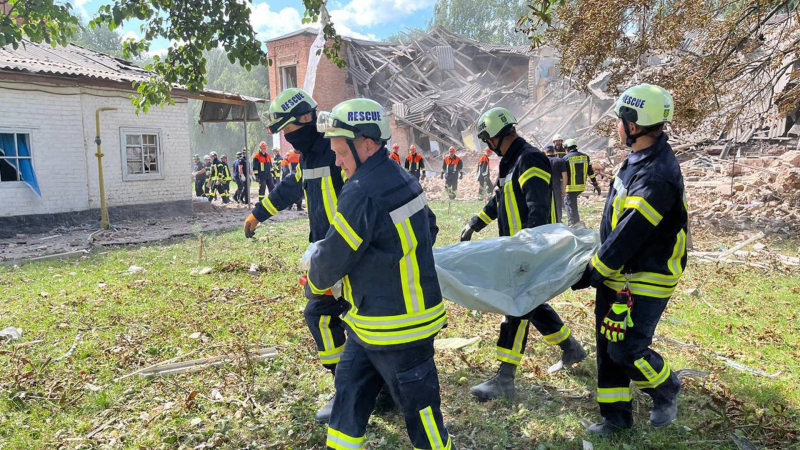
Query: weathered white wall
x=61, y=123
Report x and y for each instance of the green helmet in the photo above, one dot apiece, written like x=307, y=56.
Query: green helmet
x=196, y=156
x=645, y=105
x=287, y=107
x=494, y=122
x=569, y=143
x=213, y=154
x=354, y=118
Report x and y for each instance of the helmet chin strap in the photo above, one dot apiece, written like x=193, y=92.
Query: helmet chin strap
x=496, y=150
x=630, y=139
x=354, y=152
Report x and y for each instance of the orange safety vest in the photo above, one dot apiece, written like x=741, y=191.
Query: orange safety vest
x=263, y=160
x=293, y=157
x=394, y=156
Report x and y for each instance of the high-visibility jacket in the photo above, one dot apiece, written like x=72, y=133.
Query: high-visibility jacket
x=318, y=177
x=483, y=166
x=452, y=165
x=525, y=195
x=262, y=165
x=294, y=159
x=415, y=163
x=559, y=167
x=644, y=225
x=578, y=168
x=394, y=157
x=561, y=151
x=381, y=247
x=220, y=171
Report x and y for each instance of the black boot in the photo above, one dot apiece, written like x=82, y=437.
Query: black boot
x=571, y=353
x=500, y=385
x=665, y=405
x=324, y=413
x=606, y=428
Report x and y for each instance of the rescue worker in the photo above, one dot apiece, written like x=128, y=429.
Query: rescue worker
x=639, y=263
x=395, y=155
x=199, y=174
x=262, y=170
x=223, y=178
x=294, y=112
x=244, y=174
x=577, y=168
x=293, y=160
x=558, y=144
x=285, y=169
x=523, y=199
x=484, y=174
x=208, y=188
x=452, y=171
x=236, y=178
x=415, y=165
x=381, y=247
x=558, y=168
x=277, y=160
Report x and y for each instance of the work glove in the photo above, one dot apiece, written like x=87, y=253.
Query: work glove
x=585, y=281
x=307, y=289
x=250, y=225
x=422, y=176
x=441, y=175
x=460, y=175
x=597, y=189
x=466, y=233
x=618, y=319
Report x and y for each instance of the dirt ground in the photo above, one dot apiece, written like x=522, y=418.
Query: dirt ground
x=78, y=240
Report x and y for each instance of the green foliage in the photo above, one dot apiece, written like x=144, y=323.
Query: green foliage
x=100, y=39
x=489, y=21
x=224, y=76
x=38, y=20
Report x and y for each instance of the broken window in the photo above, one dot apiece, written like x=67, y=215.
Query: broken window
x=16, y=160
x=289, y=77
x=141, y=154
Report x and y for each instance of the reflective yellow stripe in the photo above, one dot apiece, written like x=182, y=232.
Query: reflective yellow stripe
x=431, y=430
x=646, y=290
x=559, y=336
x=553, y=217
x=619, y=199
x=678, y=251
x=328, y=197
x=315, y=290
x=601, y=267
x=347, y=292
x=298, y=174
x=533, y=172
x=485, y=217
x=506, y=355
x=613, y=395
x=519, y=337
x=332, y=356
x=395, y=322
x=654, y=379
x=409, y=268
x=512, y=212
x=397, y=337
x=271, y=209
x=576, y=187
x=641, y=205
x=340, y=441
x=346, y=231
x=647, y=277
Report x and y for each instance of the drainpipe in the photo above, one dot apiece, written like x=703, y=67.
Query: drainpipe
x=104, y=221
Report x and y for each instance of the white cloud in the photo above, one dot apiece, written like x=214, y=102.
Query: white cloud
x=269, y=24
x=359, y=14
x=130, y=35
x=78, y=5
x=161, y=52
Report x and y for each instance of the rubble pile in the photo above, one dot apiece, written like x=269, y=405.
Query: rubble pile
x=752, y=193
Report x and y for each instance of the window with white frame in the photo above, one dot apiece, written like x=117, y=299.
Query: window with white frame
x=14, y=153
x=289, y=77
x=141, y=154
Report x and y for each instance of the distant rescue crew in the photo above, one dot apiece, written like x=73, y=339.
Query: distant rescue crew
x=220, y=177
x=415, y=165
x=262, y=170
x=557, y=165
x=577, y=169
x=394, y=155
x=484, y=174
x=452, y=171
x=558, y=144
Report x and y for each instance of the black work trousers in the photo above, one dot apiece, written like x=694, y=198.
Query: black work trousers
x=410, y=375
x=514, y=332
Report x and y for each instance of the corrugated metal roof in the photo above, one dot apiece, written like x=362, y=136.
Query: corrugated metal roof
x=71, y=61
x=74, y=61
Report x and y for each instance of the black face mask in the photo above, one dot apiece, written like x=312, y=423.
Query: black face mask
x=303, y=138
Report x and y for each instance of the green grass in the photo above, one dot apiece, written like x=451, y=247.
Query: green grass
x=128, y=321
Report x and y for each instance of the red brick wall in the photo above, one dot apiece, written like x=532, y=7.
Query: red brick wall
x=331, y=87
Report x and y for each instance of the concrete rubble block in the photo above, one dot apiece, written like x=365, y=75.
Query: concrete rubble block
x=791, y=157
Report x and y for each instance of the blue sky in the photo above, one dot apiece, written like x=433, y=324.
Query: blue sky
x=365, y=19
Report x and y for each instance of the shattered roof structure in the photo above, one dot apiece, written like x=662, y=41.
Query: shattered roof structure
x=439, y=83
